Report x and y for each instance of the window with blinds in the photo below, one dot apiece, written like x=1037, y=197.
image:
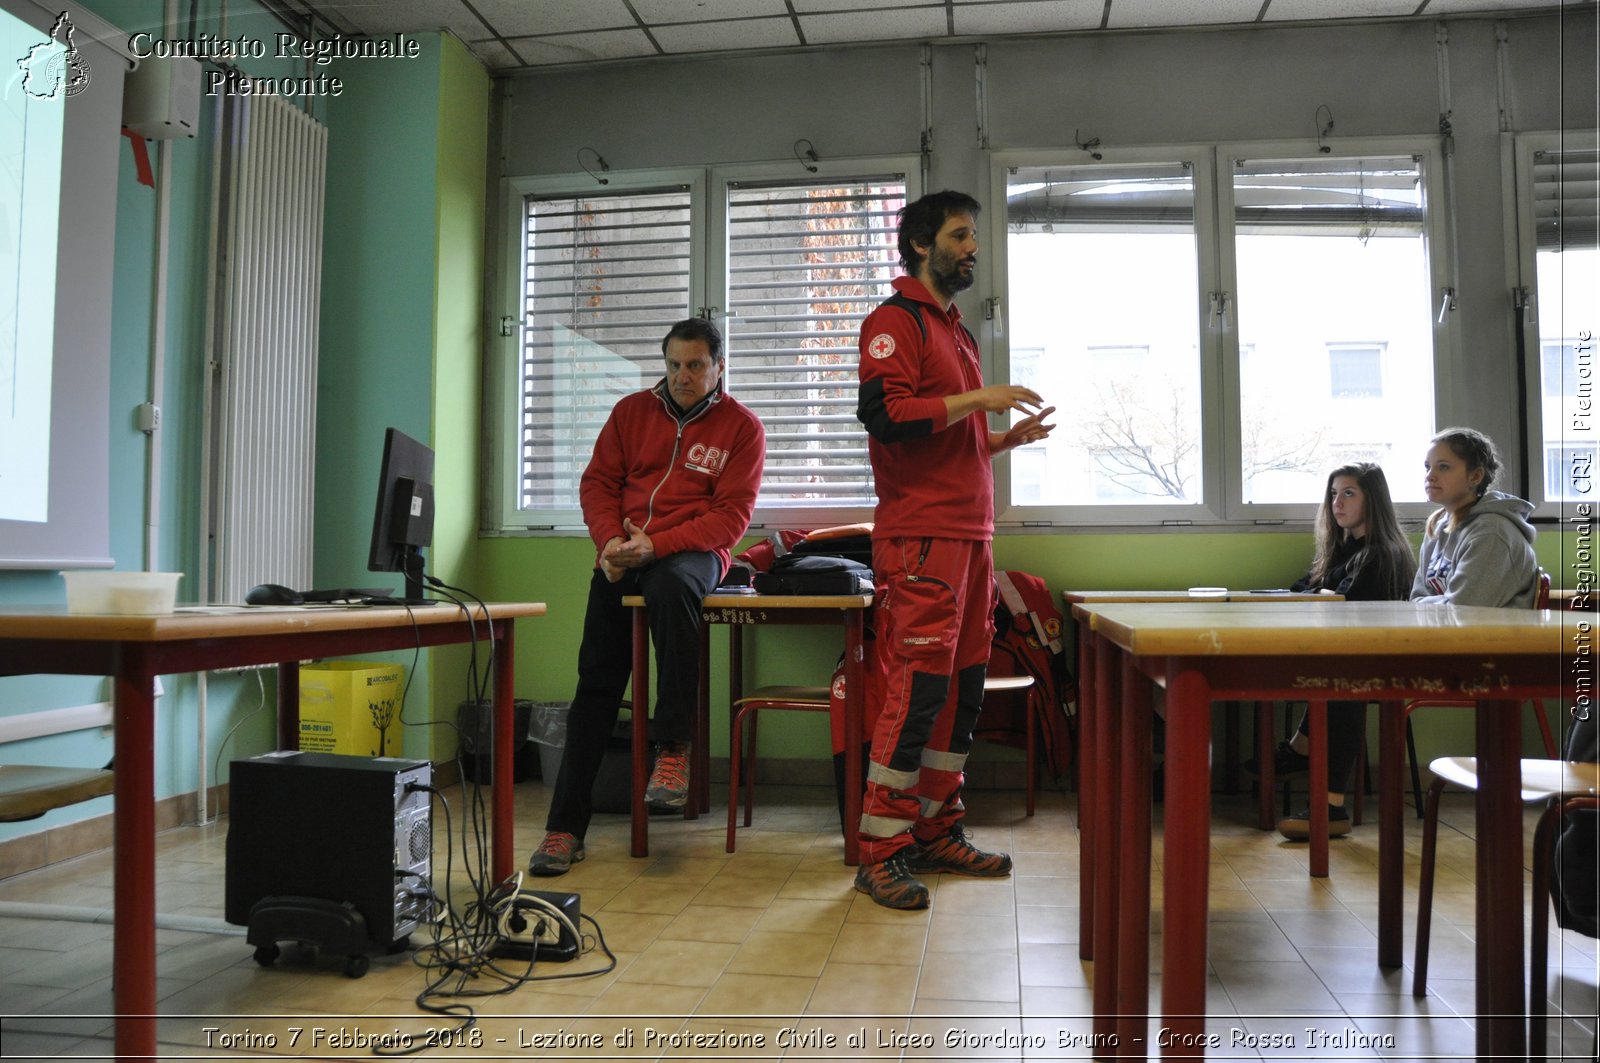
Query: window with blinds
x=604, y=277
x=1564, y=218
x=806, y=263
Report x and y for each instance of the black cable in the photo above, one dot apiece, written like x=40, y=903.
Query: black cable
x=434, y=581
x=462, y=955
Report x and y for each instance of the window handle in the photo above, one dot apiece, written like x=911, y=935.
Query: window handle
x=1219, y=310
x=1447, y=303
x=1522, y=299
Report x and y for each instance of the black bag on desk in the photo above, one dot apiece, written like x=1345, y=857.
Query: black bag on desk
x=814, y=574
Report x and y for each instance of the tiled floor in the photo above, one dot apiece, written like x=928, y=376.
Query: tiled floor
x=773, y=944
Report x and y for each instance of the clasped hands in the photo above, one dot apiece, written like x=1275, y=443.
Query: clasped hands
x=621, y=554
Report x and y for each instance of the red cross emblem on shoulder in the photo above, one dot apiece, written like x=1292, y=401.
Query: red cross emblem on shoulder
x=881, y=346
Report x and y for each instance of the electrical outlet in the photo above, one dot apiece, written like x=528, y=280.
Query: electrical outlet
x=529, y=930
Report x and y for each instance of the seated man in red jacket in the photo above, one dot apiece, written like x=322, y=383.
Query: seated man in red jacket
x=667, y=494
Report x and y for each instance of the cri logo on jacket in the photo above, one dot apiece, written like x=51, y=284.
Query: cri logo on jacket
x=709, y=460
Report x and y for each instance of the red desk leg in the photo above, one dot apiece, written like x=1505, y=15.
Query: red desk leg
x=1317, y=784
x=641, y=732
x=134, y=836
x=1108, y=745
x=503, y=857
x=1088, y=759
x=855, y=695
x=1186, y=860
x=1502, y=1019
x=1391, y=832
x=1133, y=847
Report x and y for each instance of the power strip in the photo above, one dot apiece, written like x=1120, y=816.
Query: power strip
x=539, y=924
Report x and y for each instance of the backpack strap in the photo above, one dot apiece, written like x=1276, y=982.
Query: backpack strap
x=912, y=307
x=1019, y=607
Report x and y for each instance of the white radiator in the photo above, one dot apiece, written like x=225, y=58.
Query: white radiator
x=268, y=188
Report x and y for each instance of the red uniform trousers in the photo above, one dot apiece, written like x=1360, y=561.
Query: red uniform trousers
x=934, y=627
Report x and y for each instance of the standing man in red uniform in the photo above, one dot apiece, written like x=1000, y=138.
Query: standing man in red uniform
x=925, y=407
x=667, y=494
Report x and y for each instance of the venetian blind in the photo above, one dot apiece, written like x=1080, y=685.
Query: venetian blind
x=604, y=277
x=806, y=263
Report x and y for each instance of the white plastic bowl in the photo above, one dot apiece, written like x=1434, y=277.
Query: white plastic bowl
x=122, y=593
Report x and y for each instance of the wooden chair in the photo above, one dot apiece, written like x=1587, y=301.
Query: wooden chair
x=742, y=736
x=1566, y=786
x=28, y=791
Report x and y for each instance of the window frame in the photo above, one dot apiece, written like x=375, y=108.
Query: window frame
x=708, y=278
x=506, y=471
x=717, y=276
x=1517, y=169
x=1445, y=328
x=1221, y=503
x=1205, y=510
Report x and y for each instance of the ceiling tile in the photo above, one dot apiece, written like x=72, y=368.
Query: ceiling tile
x=493, y=55
x=1285, y=10
x=887, y=25
x=722, y=36
x=1028, y=16
x=403, y=16
x=656, y=11
x=825, y=7
x=583, y=47
x=1132, y=14
x=518, y=18
x=1452, y=7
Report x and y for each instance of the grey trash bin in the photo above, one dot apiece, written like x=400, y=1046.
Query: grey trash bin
x=547, y=726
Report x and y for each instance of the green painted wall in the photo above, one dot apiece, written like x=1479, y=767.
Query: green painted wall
x=556, y=571
x=461, y=165
x=402, y=310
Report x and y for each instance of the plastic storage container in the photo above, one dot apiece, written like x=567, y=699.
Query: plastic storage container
x=122, y=593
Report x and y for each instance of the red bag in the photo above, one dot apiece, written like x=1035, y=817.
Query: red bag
x=1027, y=641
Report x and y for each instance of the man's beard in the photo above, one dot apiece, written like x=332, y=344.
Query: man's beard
x=944, y=269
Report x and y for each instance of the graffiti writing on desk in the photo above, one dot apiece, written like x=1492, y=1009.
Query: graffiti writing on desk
x=1339, y=684
x=1475, y=687
x=1485, y=684
x=733, y=616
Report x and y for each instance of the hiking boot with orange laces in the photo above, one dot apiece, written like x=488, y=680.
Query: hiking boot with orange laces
x=556, y=854
x=892, y=884
x=668, y=789
x=952, y=852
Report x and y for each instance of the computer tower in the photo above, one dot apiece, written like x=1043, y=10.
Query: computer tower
x=326, y=827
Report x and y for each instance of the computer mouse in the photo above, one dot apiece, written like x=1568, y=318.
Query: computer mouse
x=273, y=594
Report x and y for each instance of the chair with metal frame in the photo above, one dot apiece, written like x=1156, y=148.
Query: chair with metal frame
x=1541, y=600
x=1566, y=786
x=742, y=736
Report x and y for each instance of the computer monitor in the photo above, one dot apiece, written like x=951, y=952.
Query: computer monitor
x=402, y=526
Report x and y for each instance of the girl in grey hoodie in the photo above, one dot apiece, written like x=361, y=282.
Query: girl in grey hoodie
x=1478, y=549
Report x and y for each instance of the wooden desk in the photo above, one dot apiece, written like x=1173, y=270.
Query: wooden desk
x=1091, y=844
x=740, y=611
x=1383, y=651
x=134, y=650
